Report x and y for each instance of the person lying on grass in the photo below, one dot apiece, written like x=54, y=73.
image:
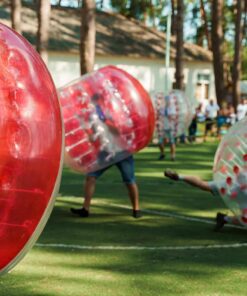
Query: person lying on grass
x=221, y=219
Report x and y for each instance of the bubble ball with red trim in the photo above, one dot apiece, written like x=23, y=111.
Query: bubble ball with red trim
x=230, y=170
x=174, y=113
x=31, y=146
x=108, y=116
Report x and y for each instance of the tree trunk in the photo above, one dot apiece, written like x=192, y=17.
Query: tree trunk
x=217, y=44
x=16, y=15
x=245, y=19
x=236, y=69
x=44, y=9
x=179, y=76
x=152, y=14
x=205, y=25
x=173, y=22
x=87, y=46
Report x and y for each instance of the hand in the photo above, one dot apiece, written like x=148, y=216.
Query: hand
x=171, y=175
x=113, y=130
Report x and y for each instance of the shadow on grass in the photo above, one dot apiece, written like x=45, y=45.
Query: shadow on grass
x=109, y=225
x=156, y=192
x=148, y=273
x=154, y=272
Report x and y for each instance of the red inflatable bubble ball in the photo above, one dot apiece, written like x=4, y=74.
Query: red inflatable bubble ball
x=31, y=146
x=107, y=116
x=174, y=113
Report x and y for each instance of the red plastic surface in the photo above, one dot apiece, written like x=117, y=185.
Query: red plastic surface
x=107, y=115
x=174, y=113
x=31, y=146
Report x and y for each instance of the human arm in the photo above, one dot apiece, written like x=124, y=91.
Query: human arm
x=191, y=180
x=197, y=182
x=107, y=120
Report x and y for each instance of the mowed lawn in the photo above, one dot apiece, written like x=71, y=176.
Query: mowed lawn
x=171, y=250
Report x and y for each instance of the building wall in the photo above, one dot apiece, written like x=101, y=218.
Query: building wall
x=151, y=73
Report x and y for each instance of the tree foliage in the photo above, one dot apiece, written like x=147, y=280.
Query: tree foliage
x=147, y=11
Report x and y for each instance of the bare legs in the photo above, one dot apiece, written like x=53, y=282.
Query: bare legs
x=173, y=151
x=89, y=189
x=161, y=146
x=133, y=195
x=162, y=151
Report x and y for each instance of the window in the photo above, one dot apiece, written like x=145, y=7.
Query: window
x=203, y=78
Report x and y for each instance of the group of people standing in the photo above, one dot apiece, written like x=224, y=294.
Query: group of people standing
x=217, y=120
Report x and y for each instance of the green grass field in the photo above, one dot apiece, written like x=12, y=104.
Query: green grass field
x=110, y=253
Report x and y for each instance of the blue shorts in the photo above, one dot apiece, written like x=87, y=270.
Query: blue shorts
x=169, y=136
x=126, y=168
x=161, y=140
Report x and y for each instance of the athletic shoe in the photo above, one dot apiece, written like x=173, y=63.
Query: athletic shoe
x=171, y=174
x=80, y=212
x=162, y=156
x=220, y=221
x=137, y=214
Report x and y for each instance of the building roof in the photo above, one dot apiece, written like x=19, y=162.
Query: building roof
x=116, y=35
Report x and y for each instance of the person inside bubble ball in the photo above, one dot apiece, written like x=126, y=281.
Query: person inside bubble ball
x=211, y=113
x=125, y=166
x=169, y=126
x=104, y=130
x=242, y=109
x=210, y=186
x=167, y=139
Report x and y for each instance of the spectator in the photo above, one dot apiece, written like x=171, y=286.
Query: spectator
x=241, y=109
x=200, y=114
x=231, y=116
x=211, y=113
x=193, y=126
x=222, y=120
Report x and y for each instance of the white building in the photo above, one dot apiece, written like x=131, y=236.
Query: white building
x=243, y=88
x=123, y=42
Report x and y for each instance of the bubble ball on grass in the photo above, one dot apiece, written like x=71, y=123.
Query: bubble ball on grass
x=31, y=146
x=174, y=112
x=230, y=170
x=108, y=116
